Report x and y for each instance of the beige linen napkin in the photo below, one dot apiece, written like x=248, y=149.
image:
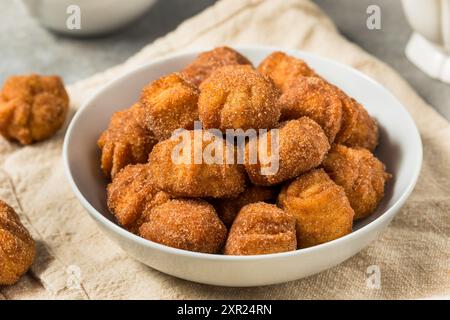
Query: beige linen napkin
x=412, y=254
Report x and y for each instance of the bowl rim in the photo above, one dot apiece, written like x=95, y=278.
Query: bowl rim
x=371, y=226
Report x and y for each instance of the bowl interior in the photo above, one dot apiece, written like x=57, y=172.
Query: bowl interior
x=399, y=148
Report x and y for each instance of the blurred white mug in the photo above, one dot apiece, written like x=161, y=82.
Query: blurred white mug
x=429, y=46
x=95, y=16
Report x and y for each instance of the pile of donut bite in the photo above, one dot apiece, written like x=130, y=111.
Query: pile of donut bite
x=327, y=175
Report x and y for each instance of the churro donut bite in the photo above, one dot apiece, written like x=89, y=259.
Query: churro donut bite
x=320, y=207
x=207, y=62
x=227, y=209
x=362, y=176
x=358, y=128
x=185, y=224
x=32, y=108
x=314, y=98
x=126, y=141
x=284, y=69
x=17, y=248
x=301, y=146
x=194, y=164
x=238, y=97
x=131, y=195
x=261, y=228
x=171, y=103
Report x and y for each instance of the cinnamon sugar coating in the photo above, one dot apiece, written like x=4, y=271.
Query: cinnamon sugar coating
x=127, y=140
x=284, y=69
x=185, y=176
x=314, y=98
x=207, y=62
x=238, y=97
x=17, y=248
x=132, y=195
x=320, y=207
x=170, y=103
x=302, y=146
x=361, y=174
x=261, y=228
x=32, y=108
x=185, y=224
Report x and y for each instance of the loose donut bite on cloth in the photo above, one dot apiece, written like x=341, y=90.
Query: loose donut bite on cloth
x=297, y=146
x=320, y=206
x=32, y=108
x=284, y=69
x=131, y=195
x=238, y=97
x=207, y=62
x=314, y=98
x=185, y=224
x=194, y=164
x=170, y=103
x=362, y=176
x=17, y=248
x=261, y=228
x=127, y=140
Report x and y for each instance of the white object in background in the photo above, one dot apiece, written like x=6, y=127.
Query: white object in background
x=97, y=16
x=429, y=47
x=400, y=149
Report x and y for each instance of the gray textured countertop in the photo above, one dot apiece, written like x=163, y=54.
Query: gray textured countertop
x=27, y=47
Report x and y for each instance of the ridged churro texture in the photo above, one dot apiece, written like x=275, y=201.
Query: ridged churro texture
x=131, y=196
x=320, y=206
x=127, y=140
x=361, y=174
x=261, y=228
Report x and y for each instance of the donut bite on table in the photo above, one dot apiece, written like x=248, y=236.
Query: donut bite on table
x=17, y=247
x=301, y=179
x=32, y=108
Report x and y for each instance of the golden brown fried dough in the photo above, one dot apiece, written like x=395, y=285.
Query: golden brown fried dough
x=261, y=228
x=320, y=206
x=186, y=175
x=207, y=62
x=131, y=196
x=302, y=146
x=185, y=224
x=33, y=108
x=126, y=141
x=361, y=174
x=358, y=128
x=227, y=209
x=314, y=98
x=171, y=103
x=284, y=69
x=238, y=97
x=17, y=248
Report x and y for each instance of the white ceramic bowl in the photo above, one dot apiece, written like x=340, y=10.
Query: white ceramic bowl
x=400, y=149
x=96, y=16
